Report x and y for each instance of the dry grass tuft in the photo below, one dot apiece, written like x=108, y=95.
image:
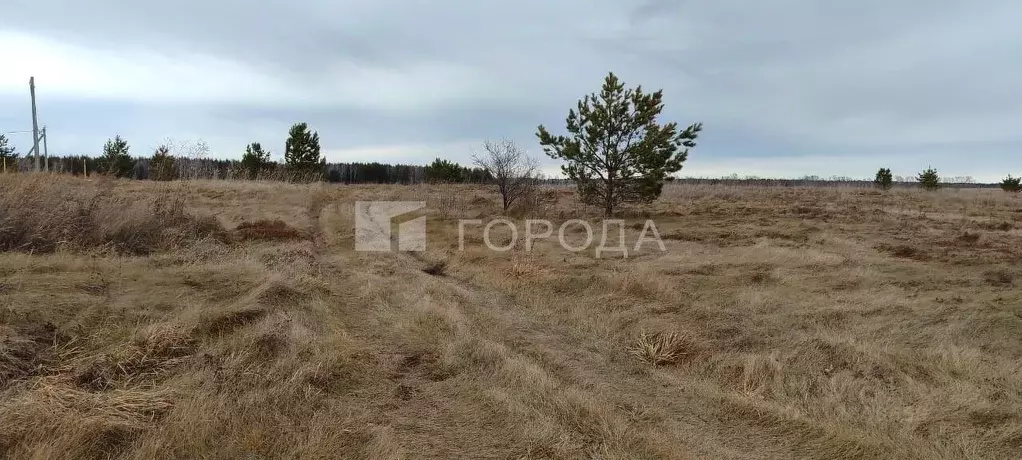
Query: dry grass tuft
x=662, y=348
x=142, y=362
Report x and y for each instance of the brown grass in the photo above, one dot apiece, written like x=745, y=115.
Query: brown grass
x=661, y=348
x=40, y=213
x=780, y=323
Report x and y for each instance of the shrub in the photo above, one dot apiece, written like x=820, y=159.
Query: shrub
x=513, y=170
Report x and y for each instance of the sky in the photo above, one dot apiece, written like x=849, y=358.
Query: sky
x=784, y=88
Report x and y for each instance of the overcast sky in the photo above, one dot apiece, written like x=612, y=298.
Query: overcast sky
x=784, y=88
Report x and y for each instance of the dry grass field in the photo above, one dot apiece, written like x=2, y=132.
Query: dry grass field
x=235, y=320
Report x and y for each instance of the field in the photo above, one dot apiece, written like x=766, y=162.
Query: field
x=235, y=320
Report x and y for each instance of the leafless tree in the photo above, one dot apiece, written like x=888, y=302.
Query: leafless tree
x=511, y=168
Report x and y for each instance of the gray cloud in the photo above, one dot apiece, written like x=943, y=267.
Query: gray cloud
x=896, y=79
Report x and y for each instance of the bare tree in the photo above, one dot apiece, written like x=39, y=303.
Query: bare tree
x=511, y=168
x=194, y=156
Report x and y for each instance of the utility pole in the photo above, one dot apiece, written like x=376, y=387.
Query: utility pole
x=46, y=152
x=35, y=124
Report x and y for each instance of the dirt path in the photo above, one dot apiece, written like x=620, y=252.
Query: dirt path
x=511, y=373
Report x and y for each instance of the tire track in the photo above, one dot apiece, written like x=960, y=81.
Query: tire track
x=576, y=405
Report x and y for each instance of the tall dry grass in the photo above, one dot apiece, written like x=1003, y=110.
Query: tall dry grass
x=46, y=213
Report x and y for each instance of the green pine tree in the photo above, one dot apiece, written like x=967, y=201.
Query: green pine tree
x=161, y=165
x=616, y=152
x=302, y=156
x=928, y=179
x=116, y=161
x=1011, y=184
x=884, y=179
x=444, y=171
x=255, y=160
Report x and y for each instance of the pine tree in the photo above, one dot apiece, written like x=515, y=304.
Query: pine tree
x=255, y=160
x=444, y=171
x=884, y=179
x=616, y=152
x=116, y=160
x=1011, y=184
x=161, y=165
x=301, y=154
x=928, y=179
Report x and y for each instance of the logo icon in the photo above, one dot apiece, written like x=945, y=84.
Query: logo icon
x=376, y=222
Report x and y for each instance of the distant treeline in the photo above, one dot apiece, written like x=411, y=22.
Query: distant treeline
x=382, y=173
x=190, y=168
